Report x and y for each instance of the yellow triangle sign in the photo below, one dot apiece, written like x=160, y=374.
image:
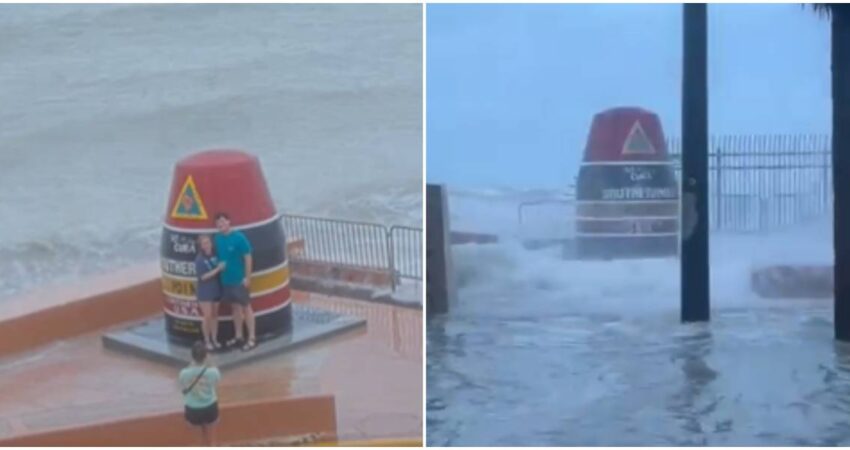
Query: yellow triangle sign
x=637, y=143
x=189, y=204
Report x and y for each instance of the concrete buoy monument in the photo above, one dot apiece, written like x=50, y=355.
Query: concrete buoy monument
x=231, y=182
x=627, y=195
x=203, y=185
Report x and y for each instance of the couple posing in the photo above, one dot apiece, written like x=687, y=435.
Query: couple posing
x=224, y=274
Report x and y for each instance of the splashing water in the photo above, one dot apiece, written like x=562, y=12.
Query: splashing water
x=545, y=351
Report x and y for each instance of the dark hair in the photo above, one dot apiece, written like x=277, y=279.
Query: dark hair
x=222, y=214
x=199, y=352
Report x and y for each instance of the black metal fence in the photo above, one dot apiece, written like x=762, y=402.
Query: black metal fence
x=405, y=251
x=760, y=183
x=396, y=249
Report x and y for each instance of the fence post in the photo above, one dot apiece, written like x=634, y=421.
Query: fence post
x=826, y=184
x=391, y=258
x=519, y=214
x=762, y=213
x=719, y=188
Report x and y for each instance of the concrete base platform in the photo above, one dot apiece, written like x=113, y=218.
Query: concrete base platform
x=149, y=339
x=608, y=248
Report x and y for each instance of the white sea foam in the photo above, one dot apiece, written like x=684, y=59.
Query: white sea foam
x=540, y=350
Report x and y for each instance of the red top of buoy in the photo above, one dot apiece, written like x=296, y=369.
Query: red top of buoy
x=625, y=134
x=214, y=181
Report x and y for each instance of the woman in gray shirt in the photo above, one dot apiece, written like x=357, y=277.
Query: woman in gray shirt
x=208, y=292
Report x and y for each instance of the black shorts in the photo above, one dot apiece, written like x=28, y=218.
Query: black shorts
x=211, y=299
x=236, y=294
x=202, y=416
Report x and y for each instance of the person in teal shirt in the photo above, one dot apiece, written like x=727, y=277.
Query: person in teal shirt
x=234, y=250
x=199, y=382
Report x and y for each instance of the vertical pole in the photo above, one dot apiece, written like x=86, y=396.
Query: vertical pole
x=694, y=274
x=840, y=168
x=763, y=214
x=439, y=275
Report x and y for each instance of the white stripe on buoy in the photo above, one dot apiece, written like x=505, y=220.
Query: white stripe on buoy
x=215, y=230
x=626, y=202
x=195, y=277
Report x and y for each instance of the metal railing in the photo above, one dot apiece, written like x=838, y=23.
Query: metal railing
x=339, y=241
x=759, y=183
x=405, y=251
x=397, y=249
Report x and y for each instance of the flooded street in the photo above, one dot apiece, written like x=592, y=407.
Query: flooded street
x=545, y=351
x=768, y=376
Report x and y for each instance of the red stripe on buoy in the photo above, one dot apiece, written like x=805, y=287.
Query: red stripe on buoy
x=625, y=134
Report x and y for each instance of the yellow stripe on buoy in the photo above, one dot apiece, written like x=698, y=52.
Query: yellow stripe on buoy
x=185, y=287
x=372, y=443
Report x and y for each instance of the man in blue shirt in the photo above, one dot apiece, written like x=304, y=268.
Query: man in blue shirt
x=234, y=251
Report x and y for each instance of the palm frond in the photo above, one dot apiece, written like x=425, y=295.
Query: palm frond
x=829, y=10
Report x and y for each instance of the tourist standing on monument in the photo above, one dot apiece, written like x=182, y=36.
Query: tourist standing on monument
x=207, y=269
x=234, y=251
x=199, y=382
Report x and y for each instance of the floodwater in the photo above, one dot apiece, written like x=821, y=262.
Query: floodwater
x=99, y=102
x=543, y=351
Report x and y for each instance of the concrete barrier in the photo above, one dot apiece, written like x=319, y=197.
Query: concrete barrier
x=53, y=314
x=331, y=272
x=238, y=423
x=374, y=443
x=463, y=237
x=785, y=281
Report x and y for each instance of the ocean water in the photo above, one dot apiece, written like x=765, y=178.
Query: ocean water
x=99, y=102
x=545, y=351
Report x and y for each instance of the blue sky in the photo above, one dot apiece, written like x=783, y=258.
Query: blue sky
x=511, y=89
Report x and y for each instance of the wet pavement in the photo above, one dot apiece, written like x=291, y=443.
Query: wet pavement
x=374, y=373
